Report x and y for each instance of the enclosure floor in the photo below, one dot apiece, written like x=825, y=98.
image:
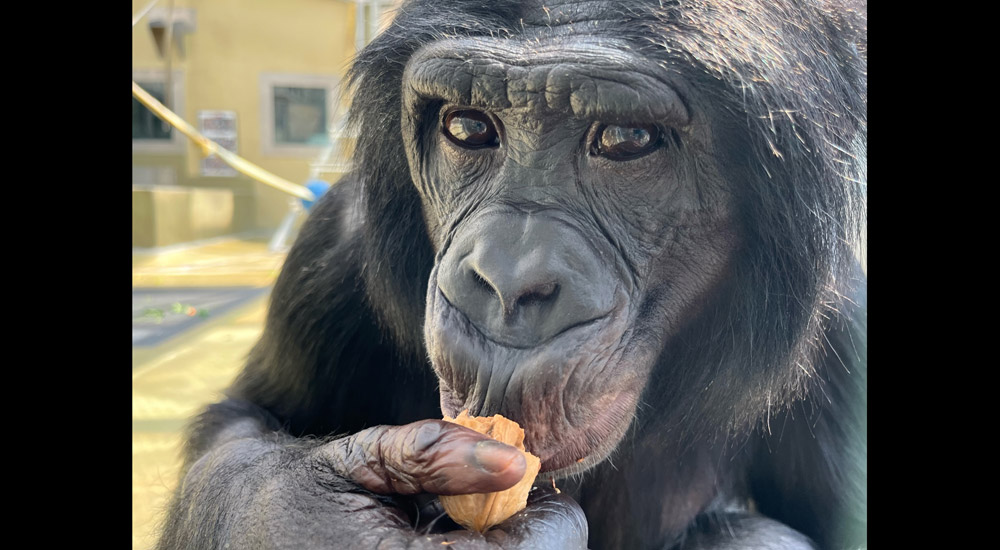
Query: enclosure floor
x=174, y=379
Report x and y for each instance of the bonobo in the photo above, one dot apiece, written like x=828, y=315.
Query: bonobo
x=632, y=227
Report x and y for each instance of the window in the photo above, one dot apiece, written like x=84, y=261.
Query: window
x=373, y=16
x=296, y=113
x=146, y=125
x=149, y=133
x=300, y=116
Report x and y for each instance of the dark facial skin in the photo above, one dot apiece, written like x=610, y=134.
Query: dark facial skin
x=576, y=216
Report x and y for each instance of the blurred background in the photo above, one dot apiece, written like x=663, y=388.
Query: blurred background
x=261, y=79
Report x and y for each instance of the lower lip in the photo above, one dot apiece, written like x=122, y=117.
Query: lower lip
x=566, y=460
x=557, y=466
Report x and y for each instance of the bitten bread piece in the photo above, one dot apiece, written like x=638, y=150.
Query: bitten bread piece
x=479, y=512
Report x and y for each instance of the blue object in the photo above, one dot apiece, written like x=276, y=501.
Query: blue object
x=318, y=187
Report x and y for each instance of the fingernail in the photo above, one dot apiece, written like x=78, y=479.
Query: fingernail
x=493, y=456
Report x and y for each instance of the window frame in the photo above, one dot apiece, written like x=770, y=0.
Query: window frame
x=270, y=81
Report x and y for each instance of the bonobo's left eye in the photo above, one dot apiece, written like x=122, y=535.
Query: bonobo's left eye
x=470, y=129
x=625, y=142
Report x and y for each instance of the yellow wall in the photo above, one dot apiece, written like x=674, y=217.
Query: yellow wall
x=234, y=42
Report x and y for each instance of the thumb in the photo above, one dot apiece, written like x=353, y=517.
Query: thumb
x=431, y=456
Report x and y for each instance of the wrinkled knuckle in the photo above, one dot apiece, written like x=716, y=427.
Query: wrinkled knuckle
x=333, y=455
x=427, y=435
x=328, y=471
x=339, y=460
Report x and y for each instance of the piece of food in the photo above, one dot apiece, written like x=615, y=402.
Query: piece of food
x=479, y=512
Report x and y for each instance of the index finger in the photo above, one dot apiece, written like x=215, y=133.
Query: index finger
x=430, y=456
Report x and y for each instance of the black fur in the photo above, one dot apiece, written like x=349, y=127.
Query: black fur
x=765, y=399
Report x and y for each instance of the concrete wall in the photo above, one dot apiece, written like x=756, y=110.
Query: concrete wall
x=162, y=216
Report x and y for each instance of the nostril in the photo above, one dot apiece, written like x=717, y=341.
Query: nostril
x=539, y=294
x=482, y=283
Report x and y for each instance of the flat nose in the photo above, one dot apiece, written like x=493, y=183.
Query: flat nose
x=523, y=285
x=524, y=280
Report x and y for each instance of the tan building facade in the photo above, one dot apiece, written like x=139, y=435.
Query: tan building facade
x=261, y=78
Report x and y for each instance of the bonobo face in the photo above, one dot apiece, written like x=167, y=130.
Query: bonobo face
x=578, y=216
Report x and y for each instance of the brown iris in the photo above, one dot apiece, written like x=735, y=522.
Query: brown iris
x=470, y=128
x=625, y=142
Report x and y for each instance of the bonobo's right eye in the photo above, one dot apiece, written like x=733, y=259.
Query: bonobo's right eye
x=470, y=129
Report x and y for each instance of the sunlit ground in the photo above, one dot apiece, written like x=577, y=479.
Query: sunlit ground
x=222, y=262
x=174, y=379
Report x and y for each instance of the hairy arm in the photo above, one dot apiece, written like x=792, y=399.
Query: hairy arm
x=254, y=488
x=263, y=468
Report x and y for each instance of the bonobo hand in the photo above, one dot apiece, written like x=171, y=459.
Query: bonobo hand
x=350, y=492
x=442, y=458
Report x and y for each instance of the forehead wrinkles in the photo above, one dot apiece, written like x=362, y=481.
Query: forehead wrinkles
x=592, y=80
x=570, y=16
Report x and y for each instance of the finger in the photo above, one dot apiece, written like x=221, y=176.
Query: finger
x=430, y=456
